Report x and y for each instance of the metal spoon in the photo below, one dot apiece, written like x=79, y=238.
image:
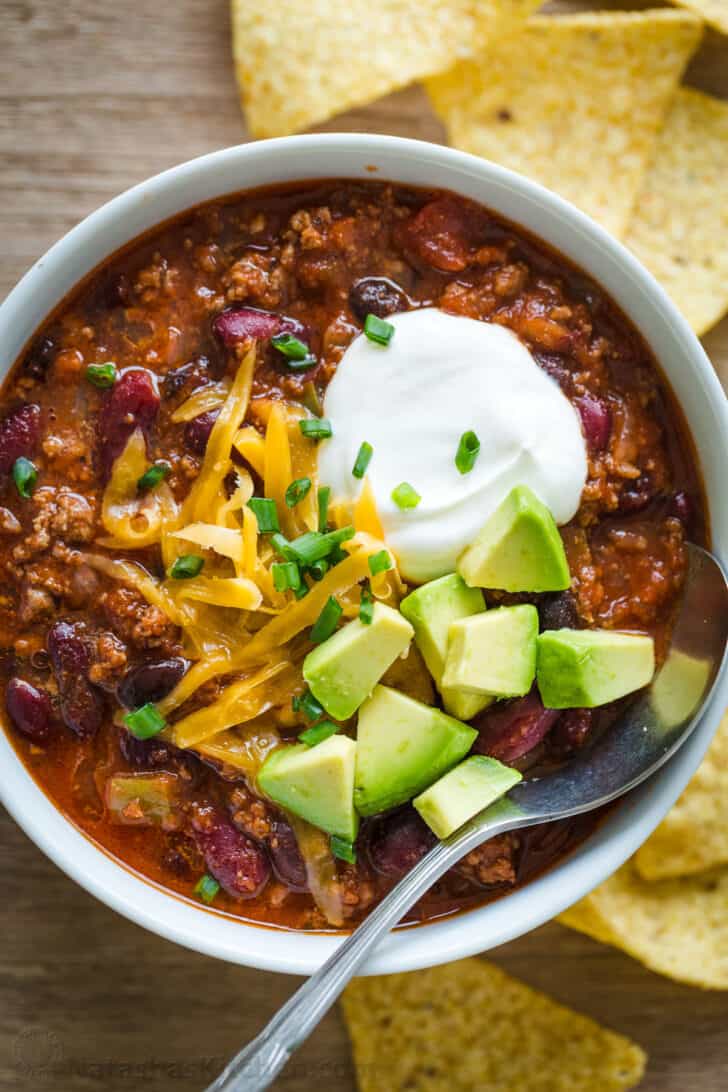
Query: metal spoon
x=652, y=728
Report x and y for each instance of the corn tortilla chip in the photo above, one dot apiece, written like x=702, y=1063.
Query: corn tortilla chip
x=299, y=63
x=713, y=11
x=469, y=1026
x=678, y=928
x=572, y=101
x=680, y=225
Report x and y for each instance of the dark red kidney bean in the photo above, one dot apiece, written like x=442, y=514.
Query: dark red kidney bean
x=681, y=507
x=30, y=710
x=238, y=863
x=40, y=357
x=197, y=370
x=197, y=432
x=144, y=753
x=571, y=731
x=376, y=296
x=637, y=496
x=19, y=435
x=150, y=682
x=132, y=403
x=557, y=610
x=596, y=420
x=82, y=707
x=236, y=324
x=439, y=235
x=398, y=841
x=285, y=856
x=510, y=731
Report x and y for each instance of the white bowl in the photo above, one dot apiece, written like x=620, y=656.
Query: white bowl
x=688, y=371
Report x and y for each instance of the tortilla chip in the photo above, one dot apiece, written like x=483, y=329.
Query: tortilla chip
x=680, y=226
x=694, y=836
x=299, y=63
x=469, y=1026
x=677, y=928
x=573, y=102
x=713, y=11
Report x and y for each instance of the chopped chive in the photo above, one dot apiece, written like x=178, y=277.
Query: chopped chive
x=153, y=476
x=25, y=476
x=286, y=575
x=298, y=355
x=265, y=513
x=380, y=562
x=207, y=888
x=327, y=621
x=342, y=849
x=323, y=497
x=318, y=733
x=319, y=569
x=186, y=567
x=316, y=428
x=336, y=556
x=307, y=704
x=303, y=591
x=297, y=490
x=314, y=546
x=467, y=452
x=405, y=496
x=378, y=330
x=282, y=546
x=366, y=605
x=146, y=722
x=101, y=375
x=363, y=459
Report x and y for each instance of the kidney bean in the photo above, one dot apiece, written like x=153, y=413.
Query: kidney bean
x=285, y=856
x=132, y=403
x=510, y=731
x=82, y=707
x=40, y=357
x=30, y=710
x=238, y=323
x=238, y=863
x=439, y=235
x=197, y=432
x=557, y=610
x=150, y=682
x=398, y=841
x=144, y=753
x=571, y=731
x=637, y=496
x=19, y=435
x=596, y=420
x=376, y=296
x=196, y=370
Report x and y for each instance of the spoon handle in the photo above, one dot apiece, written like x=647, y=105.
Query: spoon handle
x=259, y=1063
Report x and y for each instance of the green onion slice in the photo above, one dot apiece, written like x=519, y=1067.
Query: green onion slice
x=297, y=490
x=298, y=355
x=405, y=495
x=186, y=567
x=319, y=569
x=286, y=575
x=323, y=497
x=467, y=452
x=25, y=476
x=265, y=513
x=146, y=722
x=314, y=546
x=366, y=606
x=363, y=459
x=316, y=428
x=156, y=473
x=327, y=621
x=380, y=562
x=318, y=733
x=282, y=546
x=101, y=375
x=207, y=888
x=342, y=849
x=307, y=704
x=378, y=330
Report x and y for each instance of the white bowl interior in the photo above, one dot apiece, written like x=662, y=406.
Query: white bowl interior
x=693, y=382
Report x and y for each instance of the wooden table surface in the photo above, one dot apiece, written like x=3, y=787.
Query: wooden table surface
x=94, y=97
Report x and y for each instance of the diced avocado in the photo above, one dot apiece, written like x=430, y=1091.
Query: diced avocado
x=518, y=550
x=431, y=608
x=315, y=783
x=588, y=667
x=463, y=792
x=342, y=671
x=402, y=747
x=494, y=653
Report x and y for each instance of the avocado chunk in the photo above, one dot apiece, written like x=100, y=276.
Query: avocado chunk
x=588, y=667
x=315, y=783
x=342, y=671
x=518, y=550
x=494, y=653
x=402, y=747
x=463, y=792
x=431, y=608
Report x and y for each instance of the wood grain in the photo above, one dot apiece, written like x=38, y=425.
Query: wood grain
x=93, y=98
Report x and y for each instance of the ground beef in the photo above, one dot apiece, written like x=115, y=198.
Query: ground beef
x=492, y=863
x=134, y=620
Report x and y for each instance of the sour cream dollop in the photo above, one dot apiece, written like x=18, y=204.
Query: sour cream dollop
x=442, y=375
